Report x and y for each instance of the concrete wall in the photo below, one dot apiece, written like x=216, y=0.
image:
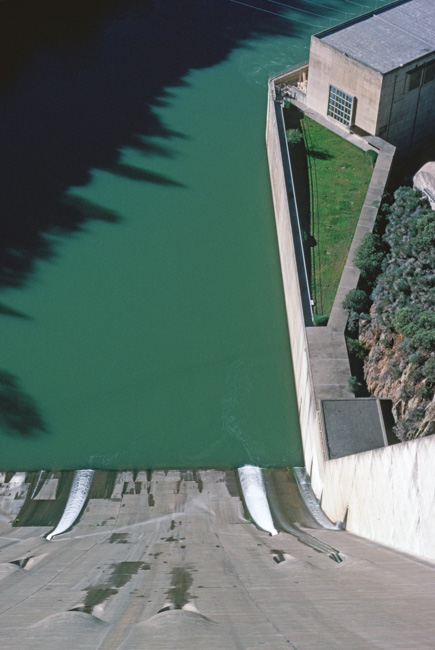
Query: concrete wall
x=308, y=411
x=384, y=105
x=388, y=495
x=406, y=117
x=328, y=66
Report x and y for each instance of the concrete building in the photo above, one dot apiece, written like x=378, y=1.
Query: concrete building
x=375, y=74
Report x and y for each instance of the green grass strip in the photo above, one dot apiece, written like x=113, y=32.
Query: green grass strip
x=339, y=176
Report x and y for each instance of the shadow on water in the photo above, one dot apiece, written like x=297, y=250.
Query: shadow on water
x=78, y=82
x=19, y=413
x=136, y=174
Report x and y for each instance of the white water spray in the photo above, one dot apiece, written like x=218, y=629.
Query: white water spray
x=254, y=493
x=77, y=497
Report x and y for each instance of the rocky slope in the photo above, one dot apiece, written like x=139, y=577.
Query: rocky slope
x=390, y=374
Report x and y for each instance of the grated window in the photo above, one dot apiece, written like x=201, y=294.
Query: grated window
x=340, y=105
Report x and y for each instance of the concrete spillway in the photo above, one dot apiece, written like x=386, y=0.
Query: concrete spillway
x=76, y=500
x=168, y=560
x=254, y=494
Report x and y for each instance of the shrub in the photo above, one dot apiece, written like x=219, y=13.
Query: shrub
x=357, y=300
x=294, y=136
x=369, y=255
x=354, y=384
x=387, y=342
x=408, y=391
x=355, y=348
x=429, y=370
x=320, y=320
x=353, y=323
x=404, y=427
x=423, y=391
x=418, y=327
x=394, y=370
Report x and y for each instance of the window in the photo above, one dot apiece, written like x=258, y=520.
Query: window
x=340, y=105
x=429, y=73
x=414, y=79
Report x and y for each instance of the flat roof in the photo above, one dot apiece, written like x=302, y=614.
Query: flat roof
x=353, y=426
x=386, y=38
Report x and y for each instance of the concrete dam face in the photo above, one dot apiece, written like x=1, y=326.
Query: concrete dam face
x=172, y=560
x=143, y=325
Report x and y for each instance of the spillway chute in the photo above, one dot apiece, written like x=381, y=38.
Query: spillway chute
x=254, y=494
x=76, y=500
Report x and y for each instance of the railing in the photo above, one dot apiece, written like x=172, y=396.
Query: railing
x=294, y=68
x=294, y=217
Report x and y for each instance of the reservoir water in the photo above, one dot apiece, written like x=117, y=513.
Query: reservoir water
x=143, y=320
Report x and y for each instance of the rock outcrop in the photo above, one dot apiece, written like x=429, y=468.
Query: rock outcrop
x=390, y=374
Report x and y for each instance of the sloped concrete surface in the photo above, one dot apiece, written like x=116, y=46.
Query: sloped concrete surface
x=170, y=562
x=388, y=494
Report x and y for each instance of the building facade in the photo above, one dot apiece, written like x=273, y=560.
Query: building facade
x=375, y=74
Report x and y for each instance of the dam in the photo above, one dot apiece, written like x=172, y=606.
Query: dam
x=144, y=331
x=171, y=560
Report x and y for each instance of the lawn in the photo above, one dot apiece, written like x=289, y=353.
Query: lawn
x=339, y=175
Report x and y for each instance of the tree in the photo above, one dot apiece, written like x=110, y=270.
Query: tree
x=357, y=301
x=369, y=255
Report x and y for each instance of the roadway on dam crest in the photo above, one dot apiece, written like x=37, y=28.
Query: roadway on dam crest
x=170, y=560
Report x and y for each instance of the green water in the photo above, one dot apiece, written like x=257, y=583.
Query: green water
x=161, y=340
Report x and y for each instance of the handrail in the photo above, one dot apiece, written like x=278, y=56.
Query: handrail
x=299, y=234
x=294, y=68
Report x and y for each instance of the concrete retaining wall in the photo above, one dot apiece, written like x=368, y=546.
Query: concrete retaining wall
x=388, y=495
x=308, y=411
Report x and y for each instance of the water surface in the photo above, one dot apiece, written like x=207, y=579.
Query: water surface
x=142, y=297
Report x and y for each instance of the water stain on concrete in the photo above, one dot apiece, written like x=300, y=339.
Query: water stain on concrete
x=118, y=538
x=197, y=478
x=181, y=582
x=120, y=576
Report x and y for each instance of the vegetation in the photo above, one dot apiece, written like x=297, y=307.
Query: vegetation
x=356, y=348
x=357, y=301
x=398, y=272
x=354, y=385
x=339, y=175
x=294, y=136
x=369, y=256
x=372, y=156
x=404, y=297
x=320, y=320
